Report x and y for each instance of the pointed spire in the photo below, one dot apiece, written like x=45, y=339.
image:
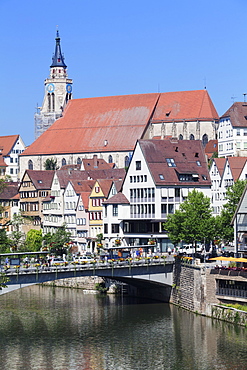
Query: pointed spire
x=58, y=59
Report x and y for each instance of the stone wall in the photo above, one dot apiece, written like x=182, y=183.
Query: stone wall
x=229, y=314
x=82, y=282
x=188, y=290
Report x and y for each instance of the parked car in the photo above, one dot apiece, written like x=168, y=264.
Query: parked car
x=56, y=261
x=84, y=259
x=189, y=249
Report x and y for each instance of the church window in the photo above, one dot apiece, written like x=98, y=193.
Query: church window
x=127, y=161
x=53, y=102
x=205, y=139
x=30, y=164
x=180, y=137
x=78, y=160
x=63, y=162
x=110, y=159
x=192, y=137
x=49, y=102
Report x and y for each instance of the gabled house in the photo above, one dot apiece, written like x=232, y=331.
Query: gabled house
x=10, y=148
x=9, y=199
x=35, y=186
x=99, y=194
x=232, y=131
x=239, y=222
x=158, y=180
x=224, y=172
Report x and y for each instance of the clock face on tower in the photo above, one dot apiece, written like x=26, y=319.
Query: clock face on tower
x=69, y=88
x=50, y=88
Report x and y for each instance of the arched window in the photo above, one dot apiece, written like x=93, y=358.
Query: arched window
x=205, y=139
x=49, y=102
x=53, y=102
x=180, y=137
x=30, y=164
x=110, y=159
x=192, y=137
x=63, y=162
x=126, y=161
x=78, y=160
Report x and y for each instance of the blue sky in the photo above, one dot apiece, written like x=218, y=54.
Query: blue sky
x=117, y=47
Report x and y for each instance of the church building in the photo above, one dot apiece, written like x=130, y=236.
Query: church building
x=69, y=130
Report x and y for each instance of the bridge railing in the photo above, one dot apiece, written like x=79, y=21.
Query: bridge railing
x=97, y=264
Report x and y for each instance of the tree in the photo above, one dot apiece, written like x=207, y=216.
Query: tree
x=4, y=241
x=33, y=240
x=51, y=164
x=59, y=241
x=193, y=222
x=233, y=195
x=17, y=237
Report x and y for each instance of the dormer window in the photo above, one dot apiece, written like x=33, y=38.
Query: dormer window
x=170, y=162
x=198, y=163
x=161, y=176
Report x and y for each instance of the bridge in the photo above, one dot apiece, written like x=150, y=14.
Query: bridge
x=140, y=274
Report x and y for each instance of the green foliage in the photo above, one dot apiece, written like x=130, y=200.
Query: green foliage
x=33, y=240
x=3, y=280
x=101, y=287
x=17, y=237
x=57, y=241
x=193, y=222
x=4, y=241
x=51, y=164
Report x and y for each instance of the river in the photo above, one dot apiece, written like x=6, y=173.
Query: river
x=46, y=328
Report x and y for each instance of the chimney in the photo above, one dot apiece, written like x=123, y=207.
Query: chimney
x=95, y=162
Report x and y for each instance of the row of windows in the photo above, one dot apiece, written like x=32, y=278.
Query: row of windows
x=138, y=178
x=142, y=193
x=11, y=171
x=17, y=151
x=49, y=205
x=12, y=160
x=53, y=218
x=95, y=215
x=142, y=209
x=114, y=228
x=28, y=194
x=70, y=219
x=70, y=205
x=82, y=234
x=97, y=202
x=29, y=207
x=81, y=221
x=55, y=193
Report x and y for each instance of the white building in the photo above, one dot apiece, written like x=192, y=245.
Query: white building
x=224, y=172
x=10, y=148
x=160, y=175
x=232, y=131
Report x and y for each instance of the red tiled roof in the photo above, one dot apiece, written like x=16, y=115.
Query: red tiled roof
x=185, y=153
x=185, y=105
x=211, y=147
x=103, y=124
x=118, y=198
x=41, y=179
x=68, y=175
x=220, y=163
x=236, y=165
x=114, y=123
x=11, y=191
x=237, y=113
x=7, y=143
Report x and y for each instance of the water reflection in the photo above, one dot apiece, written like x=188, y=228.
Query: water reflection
x=60, y=329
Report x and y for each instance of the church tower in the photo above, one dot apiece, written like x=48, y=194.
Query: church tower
x=58, y=91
